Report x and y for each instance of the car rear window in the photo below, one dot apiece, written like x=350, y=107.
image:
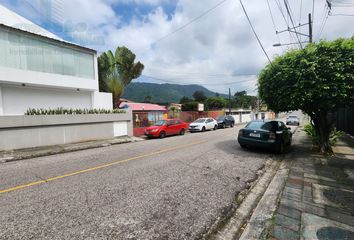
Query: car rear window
x=269, y=126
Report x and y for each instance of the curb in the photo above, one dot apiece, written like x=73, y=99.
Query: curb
x=21, y=154
x=234, y=225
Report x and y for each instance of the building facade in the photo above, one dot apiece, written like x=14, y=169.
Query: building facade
x=40, y=70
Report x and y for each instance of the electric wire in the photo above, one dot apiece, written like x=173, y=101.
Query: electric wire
x=292, y=21
x=254, y=31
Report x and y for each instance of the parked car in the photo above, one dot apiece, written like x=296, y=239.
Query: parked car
x=165, y=128
x=225, y=121
x=272, y=135
x=203, y=124
x=292, y=120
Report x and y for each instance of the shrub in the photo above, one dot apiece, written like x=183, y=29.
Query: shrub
x=70, y=111
x=311, y=132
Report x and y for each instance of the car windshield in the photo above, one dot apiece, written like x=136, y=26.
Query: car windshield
x=261, y=125
x=200, y=120
x=221, y=118
x=160, y=123
x=292, y=117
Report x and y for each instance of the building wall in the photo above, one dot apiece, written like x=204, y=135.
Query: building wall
x=17, y=100
x=17, y=132
x=43, y=73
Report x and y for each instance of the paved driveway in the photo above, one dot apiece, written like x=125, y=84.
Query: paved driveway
x=172, y=188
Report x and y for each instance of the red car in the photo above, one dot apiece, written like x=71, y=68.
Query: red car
x=166, y=127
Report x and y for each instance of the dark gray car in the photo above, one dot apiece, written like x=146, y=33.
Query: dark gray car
x=225, y=121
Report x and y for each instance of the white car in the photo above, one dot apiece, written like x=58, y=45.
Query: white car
x=203, y=124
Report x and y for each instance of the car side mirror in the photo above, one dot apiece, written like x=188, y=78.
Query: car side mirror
x=289, y=128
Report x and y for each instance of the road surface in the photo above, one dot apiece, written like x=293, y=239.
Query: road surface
x=172, y=188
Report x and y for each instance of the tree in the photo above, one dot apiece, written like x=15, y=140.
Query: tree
x=242, y=100
x=185, y=100
x=117, y=71
x=190, y=106
x=318, y=79
x=147, y=99
x=216, y=103
x=199, y=96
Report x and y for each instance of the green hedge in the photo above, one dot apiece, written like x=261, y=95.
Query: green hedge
x=70, y=111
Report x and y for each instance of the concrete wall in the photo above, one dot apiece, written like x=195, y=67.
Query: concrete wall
x=17, y=132
x=16, y=100
x=102, y=100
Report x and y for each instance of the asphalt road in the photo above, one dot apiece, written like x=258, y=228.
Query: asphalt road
x=172, y=188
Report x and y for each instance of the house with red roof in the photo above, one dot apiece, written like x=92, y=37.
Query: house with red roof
x=144, y=114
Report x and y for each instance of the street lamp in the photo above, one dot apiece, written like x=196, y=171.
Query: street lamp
x=286, y=44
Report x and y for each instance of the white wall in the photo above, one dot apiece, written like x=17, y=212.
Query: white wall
x=102, y=100
x=16, y=100
x=1, y=108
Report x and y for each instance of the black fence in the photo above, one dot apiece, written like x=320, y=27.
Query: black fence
x=345, y=120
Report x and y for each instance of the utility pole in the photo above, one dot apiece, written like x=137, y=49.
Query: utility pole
x=229, y=101
x=310, y=28
x=293, y=30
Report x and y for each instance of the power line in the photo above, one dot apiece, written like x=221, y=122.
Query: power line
x=259, y=41
x=292, y=21
x=271, y=15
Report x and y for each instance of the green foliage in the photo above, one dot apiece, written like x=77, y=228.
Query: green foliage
x=319, y=76
x=318, y=79
x=70, y=111
x=116, y=71
x=216, y=103
x=199, y=96
x=242, y=100
x=311, y=132
x=333, y=136
x=190, y=106
x=185, y=99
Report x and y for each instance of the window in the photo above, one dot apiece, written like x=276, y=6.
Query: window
x=29, y=53
x=178, y=122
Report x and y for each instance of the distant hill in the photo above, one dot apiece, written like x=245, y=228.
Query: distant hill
x=163, y=93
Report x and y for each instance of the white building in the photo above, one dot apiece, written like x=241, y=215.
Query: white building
x=40, y=70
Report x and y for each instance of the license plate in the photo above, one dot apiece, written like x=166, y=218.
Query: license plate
x=257, y=135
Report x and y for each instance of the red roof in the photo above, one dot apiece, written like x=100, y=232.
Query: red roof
x=142, y=106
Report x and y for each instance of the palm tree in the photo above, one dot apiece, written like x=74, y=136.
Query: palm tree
x=117, y=71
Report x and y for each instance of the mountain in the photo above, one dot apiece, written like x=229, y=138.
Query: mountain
x=163, y=93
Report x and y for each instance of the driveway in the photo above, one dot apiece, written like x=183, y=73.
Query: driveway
x=172, y=188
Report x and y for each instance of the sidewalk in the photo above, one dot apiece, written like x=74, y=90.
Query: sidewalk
x=317, y=201
x=20, y=154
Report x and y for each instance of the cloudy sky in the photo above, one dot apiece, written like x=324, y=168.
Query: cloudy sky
x=207, y=42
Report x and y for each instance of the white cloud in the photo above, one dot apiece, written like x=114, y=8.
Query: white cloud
x=210, y=49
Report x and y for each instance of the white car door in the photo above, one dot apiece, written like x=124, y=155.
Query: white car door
x=210, y=124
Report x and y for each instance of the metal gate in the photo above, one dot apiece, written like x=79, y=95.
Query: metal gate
x=345, y=120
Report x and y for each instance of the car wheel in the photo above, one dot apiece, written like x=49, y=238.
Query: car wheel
x=203, y=129
x=232, y=125
x=215, y=127
x=162, y=134
x=281, y=148
x=182, y=132
x=243, y=145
